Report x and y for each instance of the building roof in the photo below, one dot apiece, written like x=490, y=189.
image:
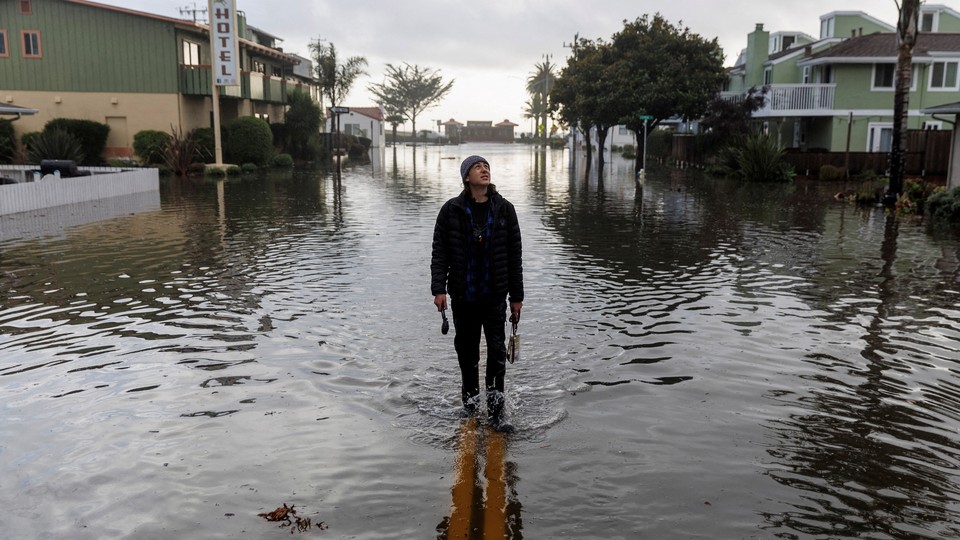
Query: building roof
x=866, y=16
x=133, y=12
x=506, y=123
x=266, y=51
x=452, y=122
x=883, y=47
x=372, y=112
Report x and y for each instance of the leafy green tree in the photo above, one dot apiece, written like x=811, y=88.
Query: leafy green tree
x=727, y=121
x=539, y=84
x=302, y=119
x=410, y=89
x=662, y=70
x=584, y=95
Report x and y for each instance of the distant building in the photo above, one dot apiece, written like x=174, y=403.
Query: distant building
x=479, y=131
x=364, y=122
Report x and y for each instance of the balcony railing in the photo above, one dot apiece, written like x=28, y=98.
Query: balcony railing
x=195, y=80
x=793, y=99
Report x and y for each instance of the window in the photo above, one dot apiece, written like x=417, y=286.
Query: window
x=880, y=137
x=827, y=27
x=31, y=44
x=928, y=22
x=26, y=7
x=929, y=125
x=191, y=53
x=767, y=76
x=943, y=76
x=4, y=52
x=277, y=71
x=806, y=74
x=788, y=42
x=259, y=67
x=883, y=75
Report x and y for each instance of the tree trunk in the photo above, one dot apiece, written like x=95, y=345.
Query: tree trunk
x=906, y=39
x=601, y=141
x=589, y=147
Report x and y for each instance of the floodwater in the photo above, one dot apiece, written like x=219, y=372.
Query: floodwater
x=700, y=359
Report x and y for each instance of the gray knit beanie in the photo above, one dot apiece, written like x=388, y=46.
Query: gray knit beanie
x=468, y=163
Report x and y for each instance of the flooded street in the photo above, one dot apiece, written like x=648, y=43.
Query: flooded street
x=701, y=359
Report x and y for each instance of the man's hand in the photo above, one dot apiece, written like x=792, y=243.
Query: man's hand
x=440, y=301
x=515, y=308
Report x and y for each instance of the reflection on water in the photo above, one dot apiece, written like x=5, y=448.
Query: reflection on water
x=702, y=358
x=484, y=506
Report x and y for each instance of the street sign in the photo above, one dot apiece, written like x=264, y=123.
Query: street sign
x=339, y=110
x=646, y=117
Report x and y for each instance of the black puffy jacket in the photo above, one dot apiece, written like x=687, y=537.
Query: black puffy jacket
x=451, y=235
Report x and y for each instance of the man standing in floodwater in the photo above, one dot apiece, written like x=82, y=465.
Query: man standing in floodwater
x=477, y=257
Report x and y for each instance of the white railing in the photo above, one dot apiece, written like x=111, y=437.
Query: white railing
x=49, y=191
x=796, y=98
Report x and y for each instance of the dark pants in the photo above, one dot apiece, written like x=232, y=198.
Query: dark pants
x=468, y=319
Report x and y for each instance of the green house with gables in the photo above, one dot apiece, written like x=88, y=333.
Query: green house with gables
x=835, y=93
x=133, y=70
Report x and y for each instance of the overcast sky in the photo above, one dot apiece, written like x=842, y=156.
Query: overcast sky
x=490, y=47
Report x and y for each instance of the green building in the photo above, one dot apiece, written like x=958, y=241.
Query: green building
x=133, y=70
x=835, y=93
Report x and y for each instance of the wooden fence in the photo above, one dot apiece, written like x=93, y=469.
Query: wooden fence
x=928, y=155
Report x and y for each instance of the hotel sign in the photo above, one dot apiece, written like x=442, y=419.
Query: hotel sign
x=223, y=38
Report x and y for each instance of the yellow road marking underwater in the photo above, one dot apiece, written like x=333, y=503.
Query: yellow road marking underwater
x=483, y=507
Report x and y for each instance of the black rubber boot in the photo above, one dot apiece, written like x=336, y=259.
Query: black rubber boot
x=495, y=412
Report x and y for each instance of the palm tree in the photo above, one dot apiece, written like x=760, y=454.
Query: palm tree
x=335, y=79
x=540, y=82
x=534, y=108
x=907, y=27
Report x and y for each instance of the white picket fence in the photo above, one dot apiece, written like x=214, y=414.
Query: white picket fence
x=50, y=191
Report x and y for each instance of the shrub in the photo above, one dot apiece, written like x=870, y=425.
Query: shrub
x=181, y=152
x=829, y=173
x=283, y=160
x=8, y=141
x=206, y=145
x=55, y=144
x=302, y=123
x=943, y=207
x=27, y=138
x=249, y=167
x=761, y=159
x=248, y=139
x=150, y=145
x=91, y=135
x=215, y=172
x=233, y=170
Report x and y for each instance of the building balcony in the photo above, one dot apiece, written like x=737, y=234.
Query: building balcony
x=793, y=100
x=196, y=80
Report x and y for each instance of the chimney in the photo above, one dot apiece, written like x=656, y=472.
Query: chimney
x=807, y=49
